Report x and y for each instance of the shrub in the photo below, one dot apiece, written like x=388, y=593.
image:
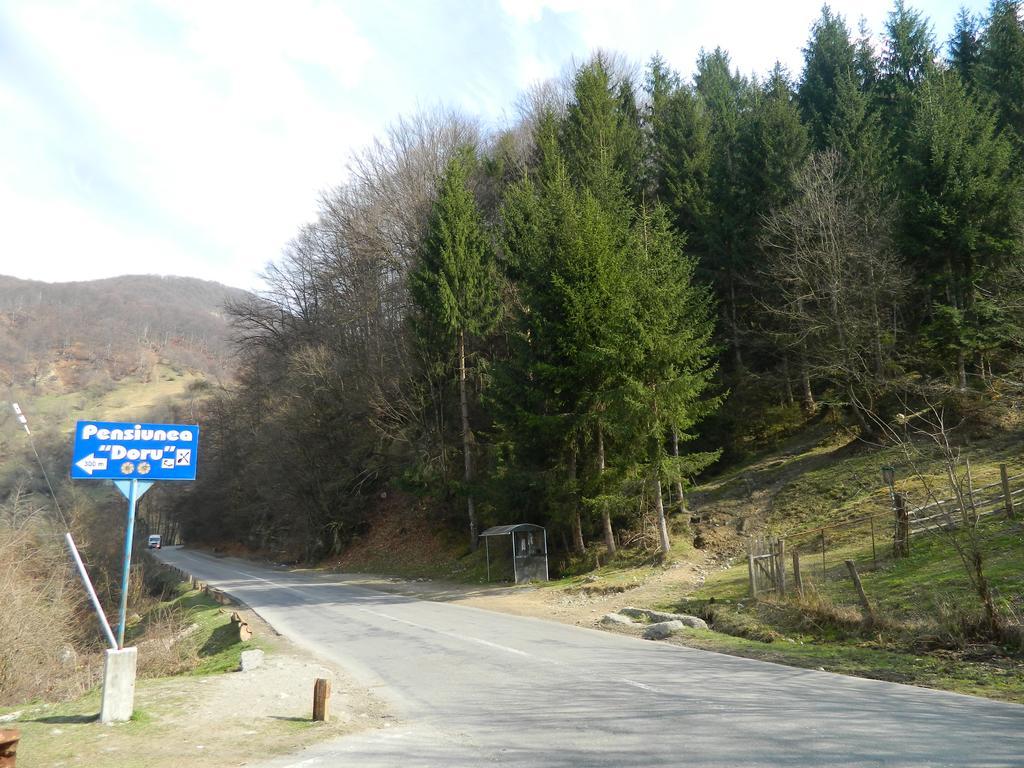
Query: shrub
x=45, y=650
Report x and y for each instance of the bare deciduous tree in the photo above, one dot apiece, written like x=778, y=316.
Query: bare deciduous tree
x=837, y=281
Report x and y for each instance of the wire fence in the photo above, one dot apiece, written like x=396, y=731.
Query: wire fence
x=839, y=551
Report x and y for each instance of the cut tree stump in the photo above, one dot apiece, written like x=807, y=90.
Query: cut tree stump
x=241, y=626
x=9, y=747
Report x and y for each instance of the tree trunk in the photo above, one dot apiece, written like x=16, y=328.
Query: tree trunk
x=961, y=369
x=467, y=440
x=606, y=516
x=734, y=325
x=678, y=483
x=577, y=524
x=858, y=413
x=662, y=524
x=789, y=382
x=805, y=379
x=992, y=619
x=876, y=320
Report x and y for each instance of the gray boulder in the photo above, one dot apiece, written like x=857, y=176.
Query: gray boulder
x=694, y=622
x=662, y=629
x=616, y=619
x=251, y=660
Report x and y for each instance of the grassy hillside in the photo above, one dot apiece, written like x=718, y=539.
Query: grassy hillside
x=126, y=348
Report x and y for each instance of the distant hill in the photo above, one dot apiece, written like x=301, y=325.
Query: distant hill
x=63, y=337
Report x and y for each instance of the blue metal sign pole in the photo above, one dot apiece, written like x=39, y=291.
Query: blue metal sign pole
x=133, y=490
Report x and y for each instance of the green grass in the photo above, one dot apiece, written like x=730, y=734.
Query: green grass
x=219, y=646
x=996, y=677
x=928, y=612
x=215, y=639
x=908, y=588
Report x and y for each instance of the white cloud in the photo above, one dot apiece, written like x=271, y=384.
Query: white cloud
x=194, y=137
x=222, y=134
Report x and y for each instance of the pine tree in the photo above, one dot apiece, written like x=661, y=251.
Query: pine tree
x=567, y=254
x=725, y=231
x=964, y=46
x=865, y=63
x=1000, y=66
x=962, y=218
x=829, y=59
x=908, y=57
x=857, y=135
x=602, y=141
x=680, y=152
x=775, y=144
x=455, y=290
x=662, y=389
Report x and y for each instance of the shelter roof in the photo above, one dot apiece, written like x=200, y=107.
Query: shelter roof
x=502, y=530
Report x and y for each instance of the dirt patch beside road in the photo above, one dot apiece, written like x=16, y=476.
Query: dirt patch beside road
x=581, y=604
x=231, y=719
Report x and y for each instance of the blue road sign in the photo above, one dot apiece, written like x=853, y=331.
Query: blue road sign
x=107, y=450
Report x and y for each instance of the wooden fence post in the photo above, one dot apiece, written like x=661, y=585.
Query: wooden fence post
x=901, y=540
x=869, y=614
x=1007, y=498
x=874, y=555
x=321, y=698
x=798, y=583
x=753, y=574
x=822, y=555
x=780, y=568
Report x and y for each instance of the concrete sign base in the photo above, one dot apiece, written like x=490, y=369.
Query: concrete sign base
x=118, y=685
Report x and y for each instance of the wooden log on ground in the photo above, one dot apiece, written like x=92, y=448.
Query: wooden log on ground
x=9, y=747
x=321, y=699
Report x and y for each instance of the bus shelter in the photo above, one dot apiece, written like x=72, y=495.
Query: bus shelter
x=528, y=545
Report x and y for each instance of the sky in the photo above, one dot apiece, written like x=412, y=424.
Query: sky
x=195, y=138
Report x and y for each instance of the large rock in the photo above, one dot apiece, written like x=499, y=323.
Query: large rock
x=662, y=629
x=251, y=660
x=616, y=619
x=694, y=622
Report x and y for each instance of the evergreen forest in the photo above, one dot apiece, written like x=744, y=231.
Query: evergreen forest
x=650, y=273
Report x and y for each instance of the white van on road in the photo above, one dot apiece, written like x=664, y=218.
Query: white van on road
x=154, y=541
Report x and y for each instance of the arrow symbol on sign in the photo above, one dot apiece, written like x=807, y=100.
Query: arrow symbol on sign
x=88, y=463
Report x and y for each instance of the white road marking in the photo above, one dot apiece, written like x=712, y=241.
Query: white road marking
x=456, y=636
x=481, y=641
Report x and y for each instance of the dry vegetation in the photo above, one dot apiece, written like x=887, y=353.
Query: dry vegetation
x=52, y=646
x=45, y=651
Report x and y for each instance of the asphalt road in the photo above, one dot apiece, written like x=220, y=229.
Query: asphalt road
x=474, y=688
